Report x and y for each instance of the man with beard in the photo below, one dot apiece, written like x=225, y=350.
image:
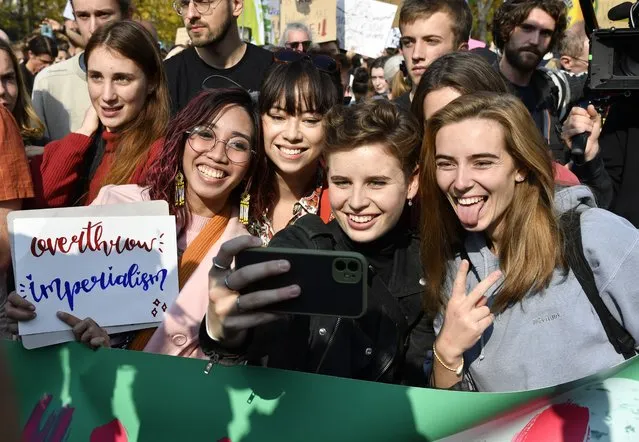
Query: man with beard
x=218, y=57
x=524, y=31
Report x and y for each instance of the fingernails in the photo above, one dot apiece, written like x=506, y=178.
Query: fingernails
x=32, y=307
x=283, y=265
x=294, y=290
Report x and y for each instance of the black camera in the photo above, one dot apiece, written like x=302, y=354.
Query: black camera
x=614, y=53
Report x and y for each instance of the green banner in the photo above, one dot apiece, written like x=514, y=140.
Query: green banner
x=71, y=393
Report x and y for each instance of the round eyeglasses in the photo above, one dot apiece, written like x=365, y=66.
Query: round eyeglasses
x=202, y=7
x=202, y=139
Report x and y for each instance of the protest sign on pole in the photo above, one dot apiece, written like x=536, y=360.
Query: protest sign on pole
x=88, y=394
x=318, y=15
x=116, y=270
x=363, y=26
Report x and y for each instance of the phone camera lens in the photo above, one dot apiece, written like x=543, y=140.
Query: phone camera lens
x=353, y=266
x=340, y=265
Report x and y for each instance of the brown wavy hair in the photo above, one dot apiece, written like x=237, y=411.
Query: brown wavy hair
x=531, y=246
x=28, y=121
x=513, y=13
x=371, y=122
x=131, y=40
x=458, y=10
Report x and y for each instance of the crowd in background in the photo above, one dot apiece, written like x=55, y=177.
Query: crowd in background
x=451, y=170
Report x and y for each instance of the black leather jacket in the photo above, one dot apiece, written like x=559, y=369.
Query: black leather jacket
x=342, y=347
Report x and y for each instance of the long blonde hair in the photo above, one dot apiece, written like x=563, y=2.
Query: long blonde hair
x=531, y=244
x=26, y=117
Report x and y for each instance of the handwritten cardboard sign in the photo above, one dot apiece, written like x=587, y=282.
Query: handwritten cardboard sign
x=363, y=26
x=318, y=15
x=116, y=270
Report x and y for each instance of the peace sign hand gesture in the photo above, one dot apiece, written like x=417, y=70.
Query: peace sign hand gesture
x=467, y=317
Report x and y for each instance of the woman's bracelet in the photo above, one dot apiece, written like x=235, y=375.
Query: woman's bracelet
x=458, y=371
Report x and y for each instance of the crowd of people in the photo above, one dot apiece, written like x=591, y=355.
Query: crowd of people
x=450, y=170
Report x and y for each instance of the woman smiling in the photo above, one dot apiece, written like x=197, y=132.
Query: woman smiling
x=371, y=204
x=297, y=92
x=207, y=155
x=119, y=135
x=507, y=256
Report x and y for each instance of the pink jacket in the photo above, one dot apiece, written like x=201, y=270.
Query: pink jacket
x=178, y=334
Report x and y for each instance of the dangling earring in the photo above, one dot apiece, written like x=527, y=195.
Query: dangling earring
x=410, y=203
x=244, y=207
x=179, y=190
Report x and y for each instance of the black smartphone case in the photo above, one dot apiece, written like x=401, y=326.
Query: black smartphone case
x=332, y=283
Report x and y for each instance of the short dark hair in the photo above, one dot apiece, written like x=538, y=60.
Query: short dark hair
x=360, y=81
x=459, y=11
x=41, y=44
x=463, y=71
x=377, y=121
x=126, y=7
x=378, y=63
x=513, y=13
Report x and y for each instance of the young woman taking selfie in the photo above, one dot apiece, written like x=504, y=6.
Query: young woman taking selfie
x=371, y=204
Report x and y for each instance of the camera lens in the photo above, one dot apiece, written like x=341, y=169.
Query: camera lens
x=353, y=266
x=340, y=265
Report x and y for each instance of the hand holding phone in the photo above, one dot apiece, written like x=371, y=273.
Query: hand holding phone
x=45, y=29
x=228, y=317
x=332, y=283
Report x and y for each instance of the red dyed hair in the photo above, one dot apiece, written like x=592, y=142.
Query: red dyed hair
x=200, y=111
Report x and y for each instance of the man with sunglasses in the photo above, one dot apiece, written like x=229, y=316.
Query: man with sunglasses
x=296, y=36
x=218, y=57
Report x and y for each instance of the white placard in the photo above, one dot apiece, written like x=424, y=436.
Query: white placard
x=363, y=25
x=116, y=270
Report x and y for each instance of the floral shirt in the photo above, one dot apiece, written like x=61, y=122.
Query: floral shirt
x=307, y=204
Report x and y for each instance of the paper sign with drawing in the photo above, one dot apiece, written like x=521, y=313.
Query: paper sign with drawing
x=116, y=270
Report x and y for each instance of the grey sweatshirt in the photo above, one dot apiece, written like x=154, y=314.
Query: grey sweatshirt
x=556, y=336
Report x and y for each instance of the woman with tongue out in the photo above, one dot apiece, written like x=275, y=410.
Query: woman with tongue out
x=371, y=157
x=121, y=133
x=501, y=248
x=297, y=92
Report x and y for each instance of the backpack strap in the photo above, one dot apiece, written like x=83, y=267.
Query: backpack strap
x=618, y=336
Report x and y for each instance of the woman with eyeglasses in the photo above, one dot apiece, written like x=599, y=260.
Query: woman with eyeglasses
x=200, y=172
x=296, y=94
x=120, y=135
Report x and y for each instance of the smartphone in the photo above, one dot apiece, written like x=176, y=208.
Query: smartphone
x=332, y=283
x=46, y=30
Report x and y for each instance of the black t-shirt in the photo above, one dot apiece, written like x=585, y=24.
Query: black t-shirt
x=403, y=101
x=186, y=72
x=527, y=95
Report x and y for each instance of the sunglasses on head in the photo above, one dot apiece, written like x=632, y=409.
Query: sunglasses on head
x=296, y=44
x=323, y=63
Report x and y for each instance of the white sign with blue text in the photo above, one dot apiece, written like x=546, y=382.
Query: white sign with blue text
x=116, y=270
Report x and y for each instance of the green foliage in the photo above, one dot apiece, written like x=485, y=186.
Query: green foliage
x=19, y=18
x=483, y=11
x=162, y=15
